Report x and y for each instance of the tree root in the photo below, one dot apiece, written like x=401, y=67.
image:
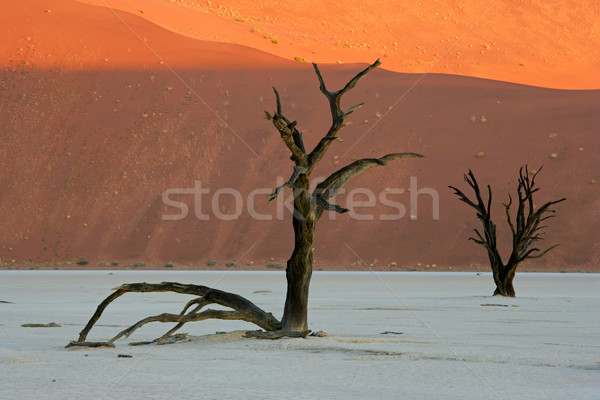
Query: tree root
x=242, y=309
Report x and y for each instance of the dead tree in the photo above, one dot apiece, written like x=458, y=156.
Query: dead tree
x=526, y=229
x=308, y=208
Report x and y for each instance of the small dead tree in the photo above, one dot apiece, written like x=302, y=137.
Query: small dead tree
x=308, y=208
x=526, y=229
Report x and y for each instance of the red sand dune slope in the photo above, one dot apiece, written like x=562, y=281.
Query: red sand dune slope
x=535, y=42
x=97, y=125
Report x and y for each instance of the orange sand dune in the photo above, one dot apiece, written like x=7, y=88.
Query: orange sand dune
x=71, y=35
x=543, y=43
x=95, y=129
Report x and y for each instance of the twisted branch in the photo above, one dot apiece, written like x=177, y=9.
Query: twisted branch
x=243, y=309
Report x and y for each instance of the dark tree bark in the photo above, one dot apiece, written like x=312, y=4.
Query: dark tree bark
x=526, y=229
x=242, y=309
x=308, y=208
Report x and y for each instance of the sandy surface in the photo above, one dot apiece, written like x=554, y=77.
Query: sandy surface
x=103, y=109
x=541, y=43
x=452, y=341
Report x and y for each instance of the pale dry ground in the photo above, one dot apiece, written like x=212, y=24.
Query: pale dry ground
x=455, y=342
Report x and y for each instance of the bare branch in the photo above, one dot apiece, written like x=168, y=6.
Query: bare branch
x=322, y=85
x=334, y=182
x=508, y=219
x=484, y=215
x=480, y=241
x=201, y=302
x=289, y=184
x=331, y=207
x=338, y=116
x=462, y=197
x=288, y=132
x=528, y=219
x=542, y=253
x=296, y=134
x=243, y=315
x=74, y=343
x=359, y=76
x=98, y=313
x=354, y=108
x=243, y=309
x=278, y=101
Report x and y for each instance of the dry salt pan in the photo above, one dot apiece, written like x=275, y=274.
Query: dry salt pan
x=432, y=327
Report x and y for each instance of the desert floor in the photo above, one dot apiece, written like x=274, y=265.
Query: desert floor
x=447, y=338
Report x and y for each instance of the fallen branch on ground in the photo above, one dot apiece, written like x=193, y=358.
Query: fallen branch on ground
x=242, y=309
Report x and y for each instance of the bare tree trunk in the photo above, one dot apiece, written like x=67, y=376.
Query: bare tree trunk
x=298, y=274
x=299, y=266
x=503, y=277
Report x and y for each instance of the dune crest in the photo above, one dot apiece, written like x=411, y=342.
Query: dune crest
x=541, y=43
